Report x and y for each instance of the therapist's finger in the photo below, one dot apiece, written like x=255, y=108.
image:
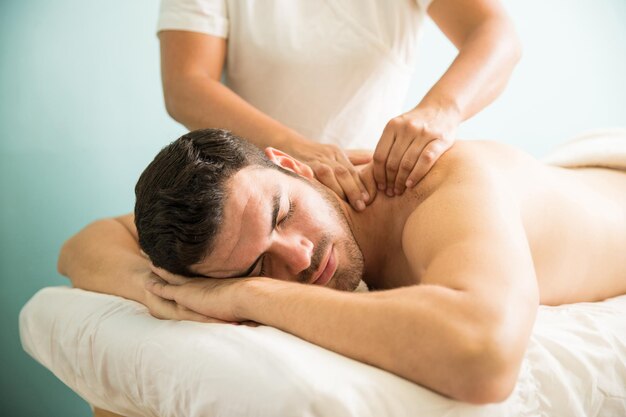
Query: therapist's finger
x=359, y=156
x=354, y=187
x=354, y=193
x=367, y=177
x=324, y=173
x=429, y=155
x=400, y=146
x=407, y=164
x=380, y=155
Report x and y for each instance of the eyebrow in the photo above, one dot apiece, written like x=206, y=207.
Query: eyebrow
x=275, y=209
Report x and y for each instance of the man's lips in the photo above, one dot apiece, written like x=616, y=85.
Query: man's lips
x=327, y=269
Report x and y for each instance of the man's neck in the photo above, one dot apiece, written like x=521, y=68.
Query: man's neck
x=378, y=231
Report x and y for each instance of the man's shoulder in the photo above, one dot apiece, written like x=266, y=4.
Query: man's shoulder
x=466, y=188
x=479, y=154
x=462, y=161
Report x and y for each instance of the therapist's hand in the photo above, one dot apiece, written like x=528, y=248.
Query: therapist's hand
x=334, y=168
x=410, y=145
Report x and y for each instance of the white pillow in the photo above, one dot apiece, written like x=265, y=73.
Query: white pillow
x=118, y=357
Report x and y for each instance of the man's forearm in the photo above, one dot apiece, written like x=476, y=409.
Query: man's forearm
x=105, y=257
x=430, y=335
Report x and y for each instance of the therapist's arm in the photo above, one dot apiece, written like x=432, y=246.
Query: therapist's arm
x=105, y=257
x=488, y=49
x=191, y=69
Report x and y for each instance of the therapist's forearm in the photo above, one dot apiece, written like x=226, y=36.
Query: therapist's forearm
x=421, y=333
x=197, y=101
x=479, y=73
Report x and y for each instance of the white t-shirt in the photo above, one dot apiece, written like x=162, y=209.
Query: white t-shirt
x=334, y=71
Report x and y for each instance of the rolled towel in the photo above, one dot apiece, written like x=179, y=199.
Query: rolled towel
x=605, y=148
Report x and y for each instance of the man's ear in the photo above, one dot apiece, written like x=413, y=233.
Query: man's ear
x=288, y=162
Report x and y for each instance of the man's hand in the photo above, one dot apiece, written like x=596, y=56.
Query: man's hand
x=198, y=299
x=166, y=309
x=410, y=145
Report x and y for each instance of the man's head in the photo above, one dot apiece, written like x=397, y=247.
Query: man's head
x=212, y=204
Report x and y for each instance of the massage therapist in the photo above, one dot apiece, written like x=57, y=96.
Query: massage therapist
x=318, y=77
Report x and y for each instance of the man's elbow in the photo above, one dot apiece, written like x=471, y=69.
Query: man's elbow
x=488, y=388
x=491, y=375
x=64, y=258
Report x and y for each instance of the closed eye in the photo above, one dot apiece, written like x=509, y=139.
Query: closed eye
x=282, y=221
x=289, y=213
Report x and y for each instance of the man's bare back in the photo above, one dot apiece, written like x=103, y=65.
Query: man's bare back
x=574, y=219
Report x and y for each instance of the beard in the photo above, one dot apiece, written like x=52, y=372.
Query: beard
x=350, y=270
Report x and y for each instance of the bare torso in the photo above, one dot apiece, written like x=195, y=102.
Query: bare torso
x=575, y=222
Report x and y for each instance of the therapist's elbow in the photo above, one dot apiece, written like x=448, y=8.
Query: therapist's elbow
x=512, y=40
x=173, y=104
x=516, y=47
x=179, y=103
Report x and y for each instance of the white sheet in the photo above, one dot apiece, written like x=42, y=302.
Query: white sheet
x=117, y=357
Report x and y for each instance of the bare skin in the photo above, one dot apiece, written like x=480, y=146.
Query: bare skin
x=574, y=220
x=462, y=262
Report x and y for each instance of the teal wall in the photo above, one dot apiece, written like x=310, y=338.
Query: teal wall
x=81, y=114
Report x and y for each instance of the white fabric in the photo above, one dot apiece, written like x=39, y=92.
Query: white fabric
x=117, y=357
x=604, y=148
x=335, y=71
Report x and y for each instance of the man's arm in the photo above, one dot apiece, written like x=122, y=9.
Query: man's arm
x=462, y=332
x=105, y=257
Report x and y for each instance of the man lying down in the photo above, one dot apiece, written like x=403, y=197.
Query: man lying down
x=458, y=265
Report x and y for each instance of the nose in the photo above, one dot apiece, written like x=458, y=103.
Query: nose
x=295, y=252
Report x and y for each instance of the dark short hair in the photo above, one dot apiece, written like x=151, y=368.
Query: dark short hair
x=180, y=195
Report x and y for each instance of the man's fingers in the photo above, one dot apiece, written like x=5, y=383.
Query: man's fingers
x=162, y=289
x=183, y=313
x=161, y=304
x=168, y=310
x=168, y=276
x=426, y=160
